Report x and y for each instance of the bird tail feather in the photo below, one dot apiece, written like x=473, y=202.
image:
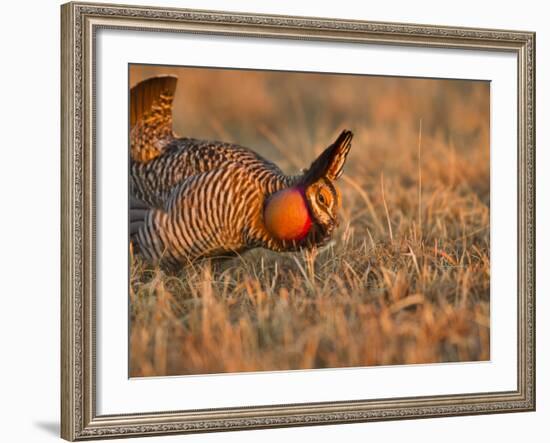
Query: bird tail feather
x=151, y=117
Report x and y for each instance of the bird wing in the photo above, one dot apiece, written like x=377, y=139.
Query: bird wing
x=151, y=117
x=202, y=216
x=153, y=181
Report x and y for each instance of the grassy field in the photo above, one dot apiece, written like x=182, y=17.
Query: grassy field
x=405, y=278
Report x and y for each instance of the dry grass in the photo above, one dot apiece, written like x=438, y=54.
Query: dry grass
x=406, y=277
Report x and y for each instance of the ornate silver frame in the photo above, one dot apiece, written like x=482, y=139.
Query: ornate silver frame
x=80, y=21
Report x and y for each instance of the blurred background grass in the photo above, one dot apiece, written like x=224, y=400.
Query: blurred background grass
x=405, y=279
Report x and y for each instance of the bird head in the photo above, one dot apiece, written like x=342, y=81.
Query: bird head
x=307, y=213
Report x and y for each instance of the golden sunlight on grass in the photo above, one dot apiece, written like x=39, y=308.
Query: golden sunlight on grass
x=405, y=278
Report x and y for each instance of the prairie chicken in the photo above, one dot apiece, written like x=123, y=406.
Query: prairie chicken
x=193, y=198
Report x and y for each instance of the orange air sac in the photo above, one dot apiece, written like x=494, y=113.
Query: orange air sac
x=286, y=215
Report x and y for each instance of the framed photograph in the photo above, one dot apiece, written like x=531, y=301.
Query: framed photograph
x=282, y=221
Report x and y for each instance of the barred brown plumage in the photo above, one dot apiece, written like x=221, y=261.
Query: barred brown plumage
x=194, y=198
